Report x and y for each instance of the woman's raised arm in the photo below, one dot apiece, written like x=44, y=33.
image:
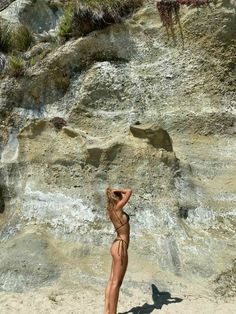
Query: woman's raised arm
x=126, y=193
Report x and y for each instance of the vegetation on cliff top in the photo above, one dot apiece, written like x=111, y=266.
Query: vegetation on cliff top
x=16, y=66
x=14, y=41
x=83, y=16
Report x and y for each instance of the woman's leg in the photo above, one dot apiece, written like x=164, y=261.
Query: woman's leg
x=120, y=262
x=107, y=291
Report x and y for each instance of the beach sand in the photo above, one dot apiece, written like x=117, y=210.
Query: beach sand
x=89, y=300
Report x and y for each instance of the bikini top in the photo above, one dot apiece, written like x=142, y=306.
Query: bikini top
x=123, y=224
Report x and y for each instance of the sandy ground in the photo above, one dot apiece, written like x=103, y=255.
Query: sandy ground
x=86, y=300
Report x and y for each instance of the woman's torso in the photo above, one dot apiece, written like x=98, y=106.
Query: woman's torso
x=121, y=224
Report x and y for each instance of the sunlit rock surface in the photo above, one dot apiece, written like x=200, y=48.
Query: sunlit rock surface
x=37, y=15
x=184, y=191
x=27, y=261
x=5, y=3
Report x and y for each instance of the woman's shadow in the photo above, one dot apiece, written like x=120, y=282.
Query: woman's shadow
x=159, y=299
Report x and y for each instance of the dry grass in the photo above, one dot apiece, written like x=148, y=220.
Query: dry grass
x=5, y=36
x=21, y=38
x=16, y=66
x=83, y=16
x=14, y=39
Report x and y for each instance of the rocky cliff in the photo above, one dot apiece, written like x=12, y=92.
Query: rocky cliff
x=121, y=106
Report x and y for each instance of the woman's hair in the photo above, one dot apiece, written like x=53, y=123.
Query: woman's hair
x=112, y=198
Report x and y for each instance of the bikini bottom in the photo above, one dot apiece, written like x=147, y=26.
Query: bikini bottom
x=122, y=246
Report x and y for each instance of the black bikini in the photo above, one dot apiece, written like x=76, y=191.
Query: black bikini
x=121, y=241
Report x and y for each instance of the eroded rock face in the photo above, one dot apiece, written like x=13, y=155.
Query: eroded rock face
x=183, y=204
x=26, y=262
x=157, y=137
x=40, y=140
x=37, y=15
x=226, y=283
x=5, y=3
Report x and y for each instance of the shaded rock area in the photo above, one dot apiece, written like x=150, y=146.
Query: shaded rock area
x=5, y=3
x=226, y=283
x=2, y=203
x=40, y=140
x=157, y=137
x=26, y=262
x=122, y=107
x=58, y=122
x=3, y=62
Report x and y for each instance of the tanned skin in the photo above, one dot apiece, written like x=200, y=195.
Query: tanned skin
x=119, y=259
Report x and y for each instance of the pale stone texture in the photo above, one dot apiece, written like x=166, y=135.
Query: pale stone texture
x=183, y=205
x=37, y=15
x=26, y=262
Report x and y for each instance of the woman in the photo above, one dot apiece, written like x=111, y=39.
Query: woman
x=116, y=200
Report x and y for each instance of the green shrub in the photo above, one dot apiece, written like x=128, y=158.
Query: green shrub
x=32, y=61
x=65, y=27
x=14, y=39
x=5, y=36
x=16, y=66
x=21, y=38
